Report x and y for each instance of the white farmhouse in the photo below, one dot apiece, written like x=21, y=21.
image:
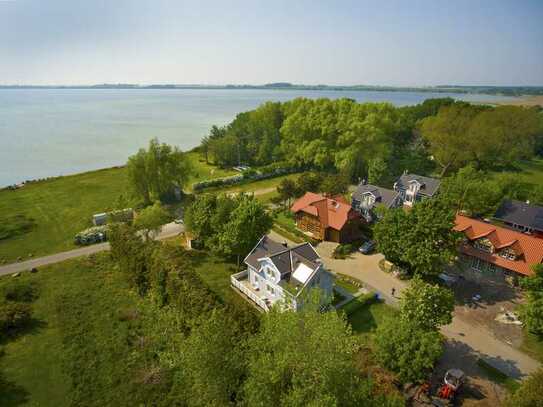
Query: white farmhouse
x=277, y=274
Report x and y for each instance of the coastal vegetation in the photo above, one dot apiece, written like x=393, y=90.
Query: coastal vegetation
x=183, y=339
x=44, y=216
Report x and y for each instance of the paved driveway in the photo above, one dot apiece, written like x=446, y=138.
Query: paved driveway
x=168, y=230
x=479, y=342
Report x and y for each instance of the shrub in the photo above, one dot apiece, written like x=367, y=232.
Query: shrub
x=20, y=291
x=14, y=316
x=15, y=225
x=407, y=350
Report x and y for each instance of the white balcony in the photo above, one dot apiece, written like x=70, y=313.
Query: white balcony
x=241, y=282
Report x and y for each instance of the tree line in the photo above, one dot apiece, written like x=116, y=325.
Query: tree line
x=375, y=140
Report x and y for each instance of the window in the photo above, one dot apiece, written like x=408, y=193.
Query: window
x=270, y=289
x=507, y=254
x=484, y=245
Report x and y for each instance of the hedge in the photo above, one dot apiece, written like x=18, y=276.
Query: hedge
x=249, y=175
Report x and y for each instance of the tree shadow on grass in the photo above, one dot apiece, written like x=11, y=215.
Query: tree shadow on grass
x=33, y=327
x=12, y=394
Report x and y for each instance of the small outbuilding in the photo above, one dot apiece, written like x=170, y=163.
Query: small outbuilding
x=99, y=219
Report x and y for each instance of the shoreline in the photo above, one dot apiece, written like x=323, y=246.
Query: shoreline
x=525, y=100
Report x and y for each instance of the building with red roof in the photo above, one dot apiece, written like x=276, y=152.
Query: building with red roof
x=325, y=218
x=491, y=249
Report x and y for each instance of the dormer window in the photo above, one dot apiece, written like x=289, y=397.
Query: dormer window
x=484, y=245
x=508, y=254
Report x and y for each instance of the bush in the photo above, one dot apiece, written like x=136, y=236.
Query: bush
x=343, y=250
x=407, y=350
x=15, y=225
x=14, y=316
x=20, y=291
x=248, y=175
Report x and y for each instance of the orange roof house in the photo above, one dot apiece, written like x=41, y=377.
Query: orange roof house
x=508, y=249
x=326, y=218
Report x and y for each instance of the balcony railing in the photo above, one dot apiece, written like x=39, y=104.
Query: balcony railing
x=237, y=281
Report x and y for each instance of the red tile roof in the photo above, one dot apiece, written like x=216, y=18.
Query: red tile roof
x=332, y=212
x=529, y=249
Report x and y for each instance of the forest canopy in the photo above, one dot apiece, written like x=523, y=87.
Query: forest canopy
x=361, y=140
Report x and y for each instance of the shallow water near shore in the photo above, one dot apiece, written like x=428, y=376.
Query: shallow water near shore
x=51, y=132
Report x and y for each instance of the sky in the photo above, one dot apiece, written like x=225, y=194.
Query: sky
x=396, y=43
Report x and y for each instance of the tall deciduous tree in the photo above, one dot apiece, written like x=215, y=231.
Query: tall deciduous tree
x=248, y=222
x=301, y=359
x=155, y=173
x=447, y=136
x=426, y=305
x=287, y=191
x=421, y=240
x=532, y=312
x=212, y=362
x=406, y=349
x=472, y=191
x=504, y=135
x=151, y=219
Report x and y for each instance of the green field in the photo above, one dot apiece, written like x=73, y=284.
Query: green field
x=530, y=172
x=63, y=206
x=76, y=316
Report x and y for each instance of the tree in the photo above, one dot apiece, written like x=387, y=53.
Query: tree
x=212, y=362
x=503, y=135
x=472, y=191
x=387, y=232
x=421, y=240
x=531, y=313
x=291, y=378
x=14, y=316
x=447, y=136
x=308, y=182
x=529, y=393
x=377, y=170
x=407, y=350
x=151, y=219
x=131, y=253
x=248, y=222
x=156, y=173
x=426, y=306
x=287, y=190
x=334, y=184
x=198, y=216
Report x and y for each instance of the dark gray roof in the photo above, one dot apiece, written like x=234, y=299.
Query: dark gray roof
x=429, y=186
x=265, y=248
x=285, y=259
x=521, y=213
x=382, y=195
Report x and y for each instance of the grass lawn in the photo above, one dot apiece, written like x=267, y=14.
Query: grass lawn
x=77, y=342
x=366, y=319
x=63, y=206
x=530, y=171
x=498, y=377
x=254, y=186
x=60, y=207
x=215, y=272
x=533, y=346
x=347, y=286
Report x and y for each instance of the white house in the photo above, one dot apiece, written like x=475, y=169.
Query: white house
x=277, y=274
x=414, y=188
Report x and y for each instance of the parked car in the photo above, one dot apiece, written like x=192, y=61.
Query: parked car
x=367, y=247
